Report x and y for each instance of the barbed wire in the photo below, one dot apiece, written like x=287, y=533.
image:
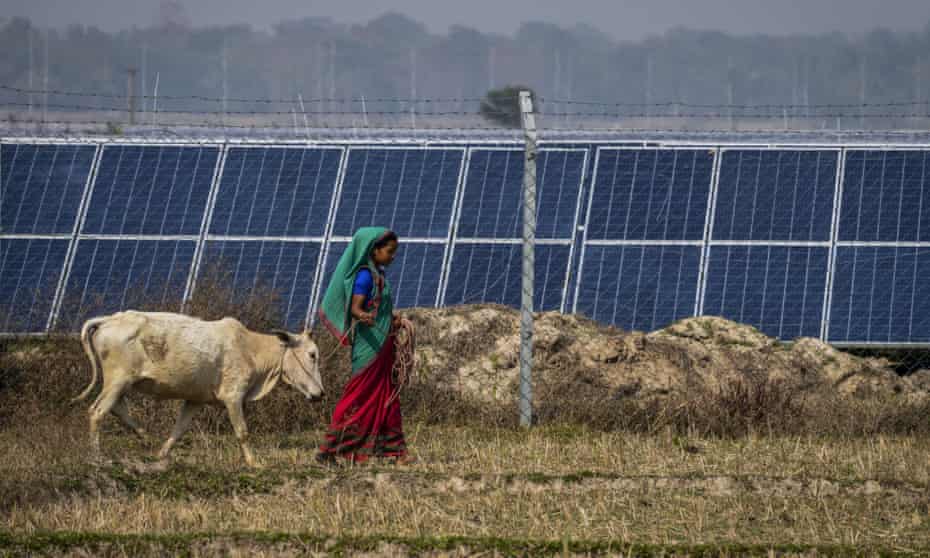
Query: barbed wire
x=269, y=126
x=718, y=115
x=429, y=101
x=612, y=115
x=295, y=99
x=741, y=106
x=431, y=115
x=300, y=131
x=257, y=113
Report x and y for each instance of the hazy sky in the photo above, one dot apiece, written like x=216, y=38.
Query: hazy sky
x=625, y=19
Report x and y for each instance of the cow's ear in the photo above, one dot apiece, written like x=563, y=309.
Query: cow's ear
x=284, y=337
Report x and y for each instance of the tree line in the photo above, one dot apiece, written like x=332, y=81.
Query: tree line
x=393, y=56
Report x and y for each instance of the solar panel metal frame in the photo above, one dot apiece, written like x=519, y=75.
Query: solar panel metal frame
x=205, y=236
x=570, y=242
x=70, y=237
x=137, y=238
x=829, y=244
x=90, y=171
x=834, y=234
x=205, y=223
x=776, y=148
x=334, y=207
x=870, y=244
x=473, y=143
x=624, y=242
x=85, y=203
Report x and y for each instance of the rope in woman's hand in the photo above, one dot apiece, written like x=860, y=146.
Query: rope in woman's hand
x=339, y=342
x=404, y=355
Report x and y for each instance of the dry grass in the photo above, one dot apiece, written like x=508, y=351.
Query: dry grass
x=546, y=484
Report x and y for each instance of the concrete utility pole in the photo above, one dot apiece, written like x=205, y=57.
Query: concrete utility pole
x=492, y=63
x=529, y=246
x=45, y=85
x=31, y=70
x=413, y=87
x=332, y=77
x=862, y=90
x=730, y=95
x=130, y=94
x=155, y=99
x=225, y=90
x=648, y=90
x=145, y=85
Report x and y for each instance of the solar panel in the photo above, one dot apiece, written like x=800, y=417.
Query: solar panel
x=650, y=194
x=639, y=287
x=410, y=191
x=644, y=263
x=880, y=295
x=113, y=274
x=886, y=196
x=275, y=191
x=41, y=187
x=783, y=195
x=151, y=190
x=480, y=272
x=414, y=276
x=492, y=200
x=286, y=270
x=29, y=273
x=778, y=289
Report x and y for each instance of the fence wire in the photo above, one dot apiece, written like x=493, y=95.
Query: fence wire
x=57, y=113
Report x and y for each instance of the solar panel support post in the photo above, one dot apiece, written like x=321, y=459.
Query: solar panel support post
x=529, y=245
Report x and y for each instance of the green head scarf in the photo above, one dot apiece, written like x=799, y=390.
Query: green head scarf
x=335, y=310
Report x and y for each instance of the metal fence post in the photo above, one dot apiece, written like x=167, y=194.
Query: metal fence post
x=529, y=245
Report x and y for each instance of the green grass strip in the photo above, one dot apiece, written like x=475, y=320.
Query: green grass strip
x=180, y=545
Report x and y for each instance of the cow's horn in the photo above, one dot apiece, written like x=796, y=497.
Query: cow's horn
x=284, y=336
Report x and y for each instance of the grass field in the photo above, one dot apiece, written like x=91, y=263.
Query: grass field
x=477, y=490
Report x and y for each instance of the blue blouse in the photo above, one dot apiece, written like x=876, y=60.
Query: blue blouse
x=364, y=284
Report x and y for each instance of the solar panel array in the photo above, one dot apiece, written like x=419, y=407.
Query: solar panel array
x=829, y=242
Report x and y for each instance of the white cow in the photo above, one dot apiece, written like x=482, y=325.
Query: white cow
x=173, y=356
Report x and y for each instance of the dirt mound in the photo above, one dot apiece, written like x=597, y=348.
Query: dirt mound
x=475, y=349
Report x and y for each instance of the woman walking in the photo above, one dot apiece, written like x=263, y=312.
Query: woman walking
x=358, y=309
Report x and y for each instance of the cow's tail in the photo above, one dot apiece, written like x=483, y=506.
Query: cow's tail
x=87, y=341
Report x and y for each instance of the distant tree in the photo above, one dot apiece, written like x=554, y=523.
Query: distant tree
x=502, y=106
x=173, y=14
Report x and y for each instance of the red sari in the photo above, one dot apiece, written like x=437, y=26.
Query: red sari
x=362, y=427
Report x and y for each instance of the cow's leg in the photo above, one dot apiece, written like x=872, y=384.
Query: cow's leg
x=180, y=427
x=234, y=408
x=111, y=393
x=122, y=412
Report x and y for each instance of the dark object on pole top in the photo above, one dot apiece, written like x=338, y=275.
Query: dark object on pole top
x=502, y=106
